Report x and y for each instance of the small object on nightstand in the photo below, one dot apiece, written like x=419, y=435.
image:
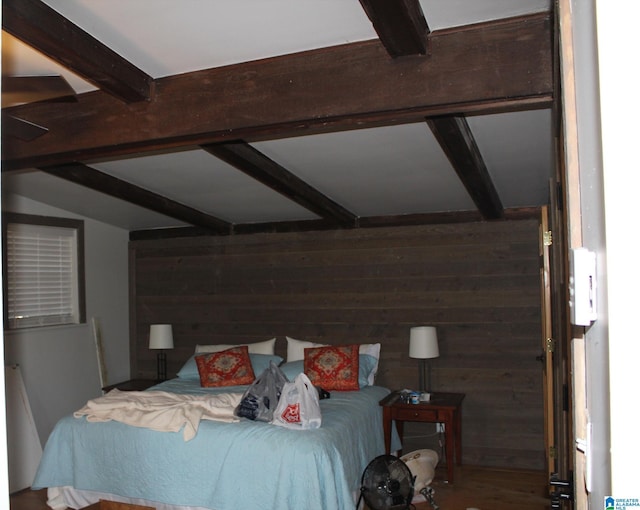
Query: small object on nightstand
x=131, y=385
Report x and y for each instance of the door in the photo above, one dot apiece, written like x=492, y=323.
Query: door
x=547, y=343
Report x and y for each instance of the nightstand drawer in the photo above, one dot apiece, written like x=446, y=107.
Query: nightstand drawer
x=427, y=415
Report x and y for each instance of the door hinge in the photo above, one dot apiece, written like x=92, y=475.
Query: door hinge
x=547, y=238
x=552, y=452
x=551, y=344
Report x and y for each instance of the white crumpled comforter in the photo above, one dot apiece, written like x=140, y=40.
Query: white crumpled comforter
x=161, y=410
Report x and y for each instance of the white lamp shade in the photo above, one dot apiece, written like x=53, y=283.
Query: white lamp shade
x=161, y=336
x=423, y=342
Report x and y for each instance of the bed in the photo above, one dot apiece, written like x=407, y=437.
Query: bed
x=227, y=465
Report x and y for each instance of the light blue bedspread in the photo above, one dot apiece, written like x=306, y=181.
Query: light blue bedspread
x=227, y=466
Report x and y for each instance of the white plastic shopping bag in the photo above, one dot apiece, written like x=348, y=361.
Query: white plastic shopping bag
x=299, y=405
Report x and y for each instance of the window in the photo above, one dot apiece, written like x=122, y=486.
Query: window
x=43, y=262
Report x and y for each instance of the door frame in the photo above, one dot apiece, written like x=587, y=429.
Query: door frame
x=570, y=169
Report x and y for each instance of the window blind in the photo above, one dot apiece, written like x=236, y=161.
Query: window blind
x=42, y=284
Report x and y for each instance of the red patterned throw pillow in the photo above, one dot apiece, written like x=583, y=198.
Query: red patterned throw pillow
x=225, y=368
x=333, y=367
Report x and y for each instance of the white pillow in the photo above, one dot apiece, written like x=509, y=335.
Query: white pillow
x=295, y=352
x=266, y=347
x=295, y=348
x=371, y=350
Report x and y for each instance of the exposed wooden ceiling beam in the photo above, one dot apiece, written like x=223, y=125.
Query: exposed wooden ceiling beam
x=252, y=162
x=330, y=89
x=401, y=26
x=457, y=142
x=44, y=29
x=21, y=129
x=105, y=183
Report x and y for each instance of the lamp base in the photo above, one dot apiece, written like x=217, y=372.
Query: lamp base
x=421, y=374
x=425, y=376
x=162, y=366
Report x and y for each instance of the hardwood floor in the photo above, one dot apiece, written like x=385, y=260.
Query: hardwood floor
x=475, y=487
x=495, y=489
x=29, y=500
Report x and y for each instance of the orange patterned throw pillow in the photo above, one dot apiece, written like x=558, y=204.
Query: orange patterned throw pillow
x=225, y=368
x=333, y=367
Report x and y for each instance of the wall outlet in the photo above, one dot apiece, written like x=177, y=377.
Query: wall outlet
x=439, y=427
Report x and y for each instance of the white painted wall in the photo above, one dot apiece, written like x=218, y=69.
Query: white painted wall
x=59, y=364
x=606, y=85
x=4, y=456
x=618, y=79
x=593, y=238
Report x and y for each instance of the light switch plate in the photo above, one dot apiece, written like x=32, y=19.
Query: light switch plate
x=582, y=286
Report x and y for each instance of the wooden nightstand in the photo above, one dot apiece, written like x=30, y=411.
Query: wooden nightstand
x=442, y=408
x=131, y=385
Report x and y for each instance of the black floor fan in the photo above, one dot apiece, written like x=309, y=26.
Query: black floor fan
x=387, y=484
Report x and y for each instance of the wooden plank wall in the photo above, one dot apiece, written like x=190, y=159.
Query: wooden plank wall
x=478, y=283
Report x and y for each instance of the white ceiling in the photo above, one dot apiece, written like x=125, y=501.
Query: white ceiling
x=377, y=171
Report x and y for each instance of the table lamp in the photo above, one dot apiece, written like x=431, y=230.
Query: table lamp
x=423, y=345
x=161, y=337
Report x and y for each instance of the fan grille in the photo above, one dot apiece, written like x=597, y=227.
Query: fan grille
x=387, y=484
